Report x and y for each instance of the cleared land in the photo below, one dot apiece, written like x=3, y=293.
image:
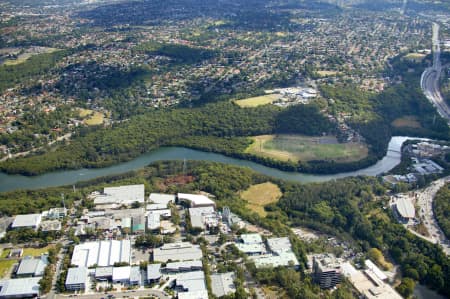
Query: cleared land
x=417, y=57
x=327, y=73
x=258, y=101
x=93, y=118
x=25, y=56
x=406, y=121
x=304, y=148
x=257, y=196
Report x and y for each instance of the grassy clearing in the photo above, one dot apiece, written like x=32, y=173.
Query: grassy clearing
x=5, y=267
x=92, y=118
x=417, y=57
x=258, y=101
x=36, y=251
x=5, y=253
x=257, y=196
x=25, y=56
x=303, y=148
x=406, y=121
x=327, y=73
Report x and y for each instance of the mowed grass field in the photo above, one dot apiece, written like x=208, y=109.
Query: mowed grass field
x=257, y=101
x=93, y=118
x=257, y=196
x=304, y=148
x=406, y=121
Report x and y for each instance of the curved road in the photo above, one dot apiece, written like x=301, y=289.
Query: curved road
x=425, y=199
x=429, y=82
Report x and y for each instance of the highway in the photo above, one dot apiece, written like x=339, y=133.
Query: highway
x=425, y=204
x=429, y=82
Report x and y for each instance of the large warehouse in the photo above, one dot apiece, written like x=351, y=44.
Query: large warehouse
x=405, y=209
x=122, y=195
x=102, y=253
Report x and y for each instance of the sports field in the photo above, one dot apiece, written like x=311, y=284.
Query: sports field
x=304, y=148
x=257, y=196
x=258, y=101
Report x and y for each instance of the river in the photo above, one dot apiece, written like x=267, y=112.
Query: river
x=68, y=177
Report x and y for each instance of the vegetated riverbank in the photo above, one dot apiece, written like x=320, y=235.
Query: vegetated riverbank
x=344, y=208
x=73, y=177
x=224, y=128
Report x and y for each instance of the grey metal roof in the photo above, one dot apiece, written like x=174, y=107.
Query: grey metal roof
x=27, y=220
x=153, y=271
x=103, y=271
x=32, y=266
x=76, y=276
x=405, y=208
x=222, y=284
x=135, y=274
x=20, y=287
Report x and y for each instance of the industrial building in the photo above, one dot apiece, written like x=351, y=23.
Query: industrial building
x=185, y=266
x=27, y=221
x=102, y=253
x=76, y=279
x=153, y=222
x=115, y=197
x=251, y=244
x=279, y=245
x=285, y=259
x=326, y=270
x=19, y=288
x=183, y=251
x=127, y=275
x=32, y=267
x=165, y=199
x=223, y=284
x=55, y=213
x=203, y=217
x=190, y=285
x=153, y=273
x=368, y=284
x=404, y=209
x=196, y=200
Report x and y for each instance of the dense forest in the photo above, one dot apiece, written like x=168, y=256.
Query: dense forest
x=441, y=208
x=350, y=209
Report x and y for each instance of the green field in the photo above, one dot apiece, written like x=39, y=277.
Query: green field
x=258, y=101
x=92, y=118
x=303, y=148
x=257, y=196
x=5, y=267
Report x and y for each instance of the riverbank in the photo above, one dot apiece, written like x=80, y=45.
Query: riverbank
x=69, y=177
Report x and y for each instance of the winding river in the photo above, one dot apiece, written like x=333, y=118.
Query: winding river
x=67, y=177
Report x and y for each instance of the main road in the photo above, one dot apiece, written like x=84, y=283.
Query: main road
x=424, y=202
x=429, y=82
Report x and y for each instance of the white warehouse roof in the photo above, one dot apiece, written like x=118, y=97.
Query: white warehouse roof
x=19, y=287
x=27, y=220
x=102, y=253
x=196, y=199
x=123, y=195
x=159, y=198
x=181, y=251
x=405, y=208
x=76, y=276
x=279, y=245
